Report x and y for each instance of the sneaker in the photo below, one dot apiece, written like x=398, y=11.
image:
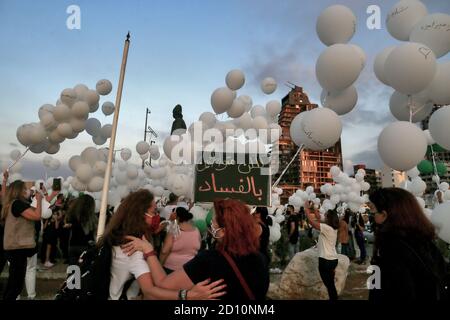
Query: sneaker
x=48, y=264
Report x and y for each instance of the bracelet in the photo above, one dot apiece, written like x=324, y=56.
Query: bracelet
x=182, y=294
x=149, y=254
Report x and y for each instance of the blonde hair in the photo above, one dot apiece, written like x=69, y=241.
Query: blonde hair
x=13, y=192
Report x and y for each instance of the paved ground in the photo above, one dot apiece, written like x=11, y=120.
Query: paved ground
x=50, y=280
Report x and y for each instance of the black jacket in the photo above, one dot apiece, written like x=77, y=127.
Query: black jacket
x=411, y=269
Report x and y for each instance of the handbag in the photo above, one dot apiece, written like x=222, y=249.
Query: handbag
x=238, y=274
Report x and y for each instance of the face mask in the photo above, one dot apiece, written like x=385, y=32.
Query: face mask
x=214, y=232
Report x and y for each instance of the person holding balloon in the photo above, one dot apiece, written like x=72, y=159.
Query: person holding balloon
x=181, y=246
x=18, y=217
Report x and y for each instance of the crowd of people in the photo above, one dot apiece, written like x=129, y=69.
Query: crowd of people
x=156, y=252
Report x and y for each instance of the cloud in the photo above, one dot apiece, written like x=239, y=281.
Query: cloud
x=369, y=157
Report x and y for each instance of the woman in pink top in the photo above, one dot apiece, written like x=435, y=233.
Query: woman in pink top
x=181, y=246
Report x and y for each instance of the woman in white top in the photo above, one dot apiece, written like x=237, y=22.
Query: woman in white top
x=134, y=216
x=328, y=258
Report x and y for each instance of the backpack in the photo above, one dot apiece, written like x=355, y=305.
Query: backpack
x=95, y=265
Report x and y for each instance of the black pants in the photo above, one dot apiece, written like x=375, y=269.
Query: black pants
x=17, y=270
x=359, y=236
x=64, y=236
x=326, y=270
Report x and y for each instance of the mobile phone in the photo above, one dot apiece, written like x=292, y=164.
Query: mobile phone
x=56, y=184
x=41, y=186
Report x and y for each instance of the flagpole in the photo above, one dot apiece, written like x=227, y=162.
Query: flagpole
x=112, y=142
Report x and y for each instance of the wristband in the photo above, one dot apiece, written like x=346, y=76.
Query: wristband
x=182, y=294
x=149, y=254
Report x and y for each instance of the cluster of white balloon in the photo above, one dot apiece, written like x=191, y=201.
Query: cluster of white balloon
x=67, y=119
x=51, y=163
x=240, y=132
x=420, y=82
x=347, y=192
x=276, y=214
x=15, y=171
x=337, y=69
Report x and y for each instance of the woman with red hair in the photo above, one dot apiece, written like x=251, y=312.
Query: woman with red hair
x=236, y=257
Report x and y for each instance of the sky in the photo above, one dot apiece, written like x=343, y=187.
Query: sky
x=180, y=53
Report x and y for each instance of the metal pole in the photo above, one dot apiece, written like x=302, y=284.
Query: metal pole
x=112, y=141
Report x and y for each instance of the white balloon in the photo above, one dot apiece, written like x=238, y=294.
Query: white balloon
x=108, y=108
x=296, y=132
x=447, y=195
x=268, y=85
x=93, y=126
x=103, y=87
x=361, y=55
x=61, y=112
x=432, y=31
x=106, y=131
x=410, y=68
x=235, y=79
x=441, y=220
x=169, y=143
x=439, y=126
x=100, y=167
x=245, y=121
x=339, y=59
x=80, y=89
x=336, y=24
x=55, y=164
x=258, y=111
x=341, y=102
x=15, y=154
x=48, y=121
x=77, y=125
x=260, y=123
x=68, y=96
x=84, y=173
x=74, y=162
x=400, y=105
x=125, y=154
x=99, y=140
x=247, y=101
x=96, y=184
x=436, y=179
x=142, y=147
x=90, y=155
x=429, y=138
x=439, y=89
x=208, y=119
x=237, y=109
x=380, y=61
x=403, y=16
x=45, y=110
x=64, y=130
x=121, y=178
x=132, y=172
x=413, y=173
x=273, y=108
x=321, y=128
x=37, y=133
x=80, y=110
x=221, y=100
x=365, y=186
x=92, y=98
x=443, y=186
x=402, y=145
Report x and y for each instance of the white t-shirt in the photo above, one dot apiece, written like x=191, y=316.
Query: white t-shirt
x=167, y=211
x=123, y=267
x=327, y=242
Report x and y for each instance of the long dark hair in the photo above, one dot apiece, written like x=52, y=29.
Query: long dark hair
x=405, y=217
x=332, y=219
x=264, y=213
x=129, y=220
x=82, y=210
x=183, y=215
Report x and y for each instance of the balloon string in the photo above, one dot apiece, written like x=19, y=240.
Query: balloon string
x=434, y=164
x=300, y=148
x=410, y=108
x=18, y=159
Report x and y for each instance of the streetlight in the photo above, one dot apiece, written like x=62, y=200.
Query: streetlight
x=148, y=130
